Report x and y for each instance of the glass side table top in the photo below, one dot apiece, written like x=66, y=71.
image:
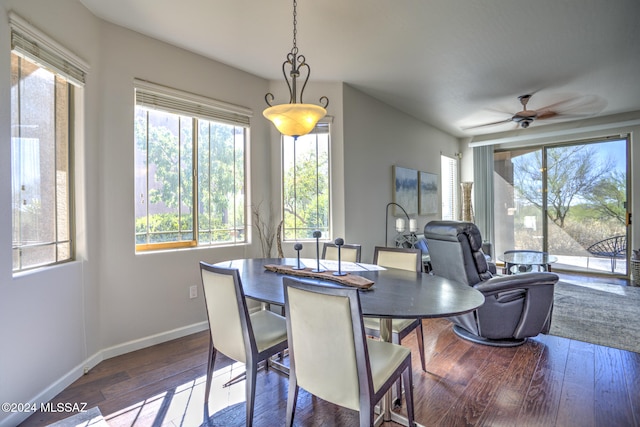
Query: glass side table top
x=528, y=258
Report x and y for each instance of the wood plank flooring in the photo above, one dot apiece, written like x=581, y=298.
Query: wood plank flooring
x=549, y=381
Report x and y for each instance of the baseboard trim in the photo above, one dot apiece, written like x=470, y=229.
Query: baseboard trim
x=53, y=390
x=67, y=379
x=159, y=338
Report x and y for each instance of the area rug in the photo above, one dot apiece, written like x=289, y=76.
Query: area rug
x=601, y=314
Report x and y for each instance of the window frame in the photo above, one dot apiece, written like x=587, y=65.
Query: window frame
x=152, y=96
x=31, y=45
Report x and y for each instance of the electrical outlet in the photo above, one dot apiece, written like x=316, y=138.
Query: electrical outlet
x=193, y=292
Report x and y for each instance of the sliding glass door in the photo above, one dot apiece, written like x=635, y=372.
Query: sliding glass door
x=569, y=200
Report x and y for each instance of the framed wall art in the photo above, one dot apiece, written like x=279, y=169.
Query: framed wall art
x=428, y=193
x=405, y=190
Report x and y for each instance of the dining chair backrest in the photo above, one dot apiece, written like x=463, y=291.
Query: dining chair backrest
x=327, y=343
x=401, y=258
x=348, y=252
x=227, y=312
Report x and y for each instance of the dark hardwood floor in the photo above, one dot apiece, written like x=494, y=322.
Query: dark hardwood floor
x=549, y=381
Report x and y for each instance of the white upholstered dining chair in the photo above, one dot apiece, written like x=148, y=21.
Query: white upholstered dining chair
x=332, y=358
x=246, y=338
x=409, y=259
x=348, y=252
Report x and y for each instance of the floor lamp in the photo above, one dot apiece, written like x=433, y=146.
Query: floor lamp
x=386, y=221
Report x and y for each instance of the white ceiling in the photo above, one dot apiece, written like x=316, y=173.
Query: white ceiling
x=451, y=63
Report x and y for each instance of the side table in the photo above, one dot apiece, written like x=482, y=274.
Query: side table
x=635, y=272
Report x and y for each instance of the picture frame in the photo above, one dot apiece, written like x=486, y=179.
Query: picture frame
x=428, y=193
x=405, y=190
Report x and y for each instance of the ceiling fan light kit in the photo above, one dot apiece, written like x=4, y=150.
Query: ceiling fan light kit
x=295, y=118
x=525, y=117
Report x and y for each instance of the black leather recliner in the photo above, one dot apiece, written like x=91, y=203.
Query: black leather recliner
x=516, y=306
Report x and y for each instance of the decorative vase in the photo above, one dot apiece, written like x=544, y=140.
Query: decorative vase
x=467, y=204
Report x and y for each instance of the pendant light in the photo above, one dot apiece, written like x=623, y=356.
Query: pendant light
x=295, y=118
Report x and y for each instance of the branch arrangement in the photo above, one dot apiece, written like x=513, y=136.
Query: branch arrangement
x=267, y=233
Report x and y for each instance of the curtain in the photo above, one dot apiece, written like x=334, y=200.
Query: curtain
x=483, y=194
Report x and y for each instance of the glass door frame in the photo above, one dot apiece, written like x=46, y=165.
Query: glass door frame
x=544, y=148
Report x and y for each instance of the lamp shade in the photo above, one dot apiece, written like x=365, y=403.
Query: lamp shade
x=294, y=119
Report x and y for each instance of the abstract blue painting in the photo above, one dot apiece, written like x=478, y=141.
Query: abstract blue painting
x=405, y=190
x=428, y=196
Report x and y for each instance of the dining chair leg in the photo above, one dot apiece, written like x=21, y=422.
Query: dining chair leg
x=252, y=373
x=292, y=399
x=212, y=359
x=397, y=403
x=420, y=337
x=210, y=364
x=366, y=416
x=407, y=378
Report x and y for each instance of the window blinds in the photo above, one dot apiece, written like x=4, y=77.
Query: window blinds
x=449, y=182
x=159, y=97
x=34, y=45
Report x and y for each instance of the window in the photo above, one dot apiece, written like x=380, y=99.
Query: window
x=45, y=81
x=449, y=178
x=305, y=182
x=179, y=136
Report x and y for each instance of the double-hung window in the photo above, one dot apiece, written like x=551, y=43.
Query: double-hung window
x=46, y=83
x=306, y=184
x=190, y=170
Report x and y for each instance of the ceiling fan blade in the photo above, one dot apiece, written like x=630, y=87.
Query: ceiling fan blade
x=545, y=114
x=487, y=124
x=557, y=105
x=585, y=105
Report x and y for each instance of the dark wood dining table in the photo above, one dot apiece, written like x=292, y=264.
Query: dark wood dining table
x=394, y=294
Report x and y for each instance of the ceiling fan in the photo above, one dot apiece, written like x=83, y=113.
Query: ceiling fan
x=525, y=117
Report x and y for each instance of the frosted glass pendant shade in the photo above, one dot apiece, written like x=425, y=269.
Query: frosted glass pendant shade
x=294, y=119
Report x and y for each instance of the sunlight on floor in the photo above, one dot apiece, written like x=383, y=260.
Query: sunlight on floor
x=603, y=287
x=183, y=406
x=592, y=264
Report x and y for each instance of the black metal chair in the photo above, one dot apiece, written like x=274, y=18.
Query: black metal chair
x=613, y=248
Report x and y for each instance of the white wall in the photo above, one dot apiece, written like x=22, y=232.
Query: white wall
x=376, y=137
x=58, y=320
x=50, y=317
x=466, y=163
x=146, y=294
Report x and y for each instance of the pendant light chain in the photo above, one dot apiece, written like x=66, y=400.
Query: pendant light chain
x=295, y=24
x=295, y=118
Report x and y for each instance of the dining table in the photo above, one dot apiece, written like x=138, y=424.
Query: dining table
x=395, y=294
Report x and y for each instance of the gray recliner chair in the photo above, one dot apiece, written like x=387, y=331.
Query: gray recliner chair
x=516, y=306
